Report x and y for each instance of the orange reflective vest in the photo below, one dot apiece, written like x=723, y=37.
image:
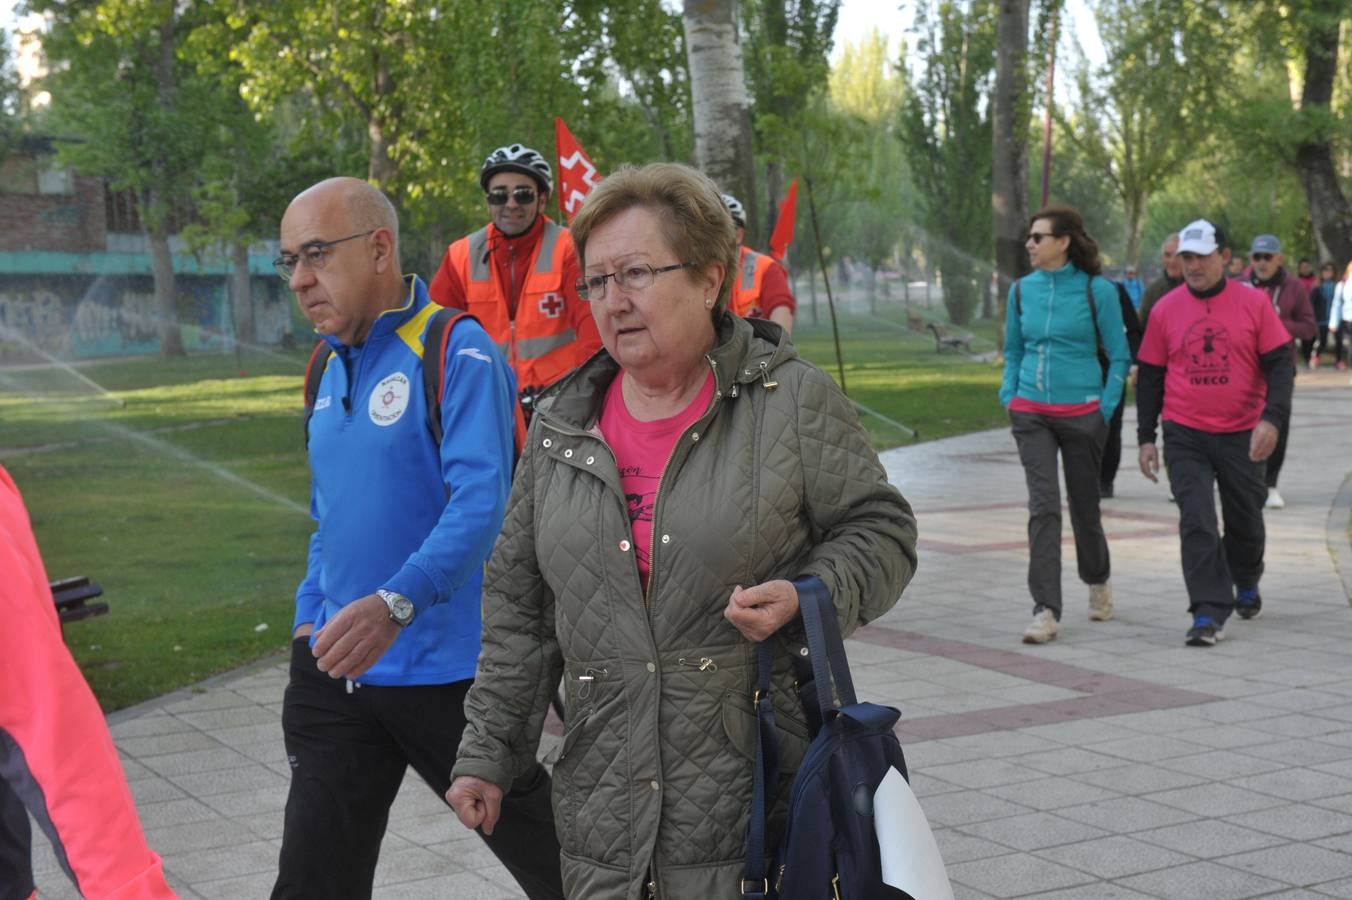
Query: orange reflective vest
x=746, y=289
x=541, y=345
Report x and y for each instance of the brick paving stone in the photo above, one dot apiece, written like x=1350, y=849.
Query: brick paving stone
x=1230, y=768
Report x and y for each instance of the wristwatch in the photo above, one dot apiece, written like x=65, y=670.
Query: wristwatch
x=401, y=608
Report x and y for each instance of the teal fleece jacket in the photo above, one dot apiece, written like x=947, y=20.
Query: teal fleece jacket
x=1051, y=354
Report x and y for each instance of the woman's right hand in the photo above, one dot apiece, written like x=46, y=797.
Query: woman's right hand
x=478, y=803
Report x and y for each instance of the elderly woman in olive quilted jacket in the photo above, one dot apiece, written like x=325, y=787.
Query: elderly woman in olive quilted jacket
x=672, y=491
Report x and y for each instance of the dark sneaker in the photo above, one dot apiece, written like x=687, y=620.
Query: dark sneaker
x=1248, y=603
x=1204, y=632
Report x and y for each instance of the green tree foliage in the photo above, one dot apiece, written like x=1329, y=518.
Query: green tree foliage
x=946, y=131
x=787, y=43
x=10, y=100
x=1137, y=117
x=137, y=114
x=876, y=197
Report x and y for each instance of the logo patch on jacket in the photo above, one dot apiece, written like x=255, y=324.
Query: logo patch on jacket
x=389, y=399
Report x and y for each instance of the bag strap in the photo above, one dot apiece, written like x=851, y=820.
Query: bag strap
x=314, y=372
x=765, y=777
x=434, y=365
x=825, y=646
x=827, y=652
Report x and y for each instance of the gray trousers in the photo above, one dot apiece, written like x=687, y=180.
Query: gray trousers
x=1079, y=441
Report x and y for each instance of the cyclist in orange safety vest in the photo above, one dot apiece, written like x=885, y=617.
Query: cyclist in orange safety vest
x=518, y=275
x=762, y=286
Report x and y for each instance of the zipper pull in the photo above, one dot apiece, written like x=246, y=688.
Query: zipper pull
x=652, y=890
x=705, y=664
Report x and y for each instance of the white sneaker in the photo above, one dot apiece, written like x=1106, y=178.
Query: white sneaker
x=1101, y=602
x=1042, y=629
x=1274, y=500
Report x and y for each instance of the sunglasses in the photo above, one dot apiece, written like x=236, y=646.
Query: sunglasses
x=1260, y=257
x=1037, y=236
x=522, y=196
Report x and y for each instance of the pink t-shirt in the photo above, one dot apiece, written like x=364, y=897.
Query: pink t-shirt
x=1211, y=347
x=641, y=452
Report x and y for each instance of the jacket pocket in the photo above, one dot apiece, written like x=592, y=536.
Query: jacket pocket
x=741, y=726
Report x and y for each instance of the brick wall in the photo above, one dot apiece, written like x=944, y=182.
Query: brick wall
x=68, y=223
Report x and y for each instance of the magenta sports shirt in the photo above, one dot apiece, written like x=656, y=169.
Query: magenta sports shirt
x=641, y=452
x=1211, y=346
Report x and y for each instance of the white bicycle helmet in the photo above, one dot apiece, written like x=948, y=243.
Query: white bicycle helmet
x=517, y=158
x=735, y=207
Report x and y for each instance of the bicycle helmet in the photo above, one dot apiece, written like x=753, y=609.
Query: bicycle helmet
x=735, y=207
x=517, y=158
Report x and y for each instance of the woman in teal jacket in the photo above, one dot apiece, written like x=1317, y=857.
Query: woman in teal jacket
x=1057, y=321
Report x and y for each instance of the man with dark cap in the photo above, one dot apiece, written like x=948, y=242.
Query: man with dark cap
x=1292, y=302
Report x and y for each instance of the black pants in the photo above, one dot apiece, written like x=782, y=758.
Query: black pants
x=1112, y=447
x=348, y=754
x=16, y=846
x=1341, y=338
x=1278, y=457
x=1079, y=442
x=1213, y=566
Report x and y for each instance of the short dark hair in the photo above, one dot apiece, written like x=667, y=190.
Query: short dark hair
x=1222, y=239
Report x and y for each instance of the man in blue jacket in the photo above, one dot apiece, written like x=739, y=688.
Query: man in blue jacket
x=386, y=633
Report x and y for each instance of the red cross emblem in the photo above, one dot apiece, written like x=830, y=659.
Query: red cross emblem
x=551, y=304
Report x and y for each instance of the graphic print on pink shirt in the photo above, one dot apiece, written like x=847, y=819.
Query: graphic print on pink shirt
x=641, y=452
x=1211, y=347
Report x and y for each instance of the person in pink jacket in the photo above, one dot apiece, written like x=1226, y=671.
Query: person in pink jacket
x=57, y=760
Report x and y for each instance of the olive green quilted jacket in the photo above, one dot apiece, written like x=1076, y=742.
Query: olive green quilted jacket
x=776, y=480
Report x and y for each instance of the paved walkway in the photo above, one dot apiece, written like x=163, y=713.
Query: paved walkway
x=1112, y=763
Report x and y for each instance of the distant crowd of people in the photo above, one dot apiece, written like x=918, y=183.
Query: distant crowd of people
x=1212, y=346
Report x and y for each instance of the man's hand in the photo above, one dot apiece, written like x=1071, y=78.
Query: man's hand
x=304, y=629
x=1263, y=441
x=1149, y=459
x=1133, y=373
x=355, y=639
x=476, y=802
x=759, y=611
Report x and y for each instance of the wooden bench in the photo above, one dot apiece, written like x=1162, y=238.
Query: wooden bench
x=943, y=340
x=70, y=595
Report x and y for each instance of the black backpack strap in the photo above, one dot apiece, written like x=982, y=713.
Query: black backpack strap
x=1093, y=310
x=434, y=365
x=755, y=879
x=314, y=373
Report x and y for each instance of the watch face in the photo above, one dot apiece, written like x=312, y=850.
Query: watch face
x=402, y=610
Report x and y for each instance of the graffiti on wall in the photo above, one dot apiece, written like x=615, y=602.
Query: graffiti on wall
x=80, y=316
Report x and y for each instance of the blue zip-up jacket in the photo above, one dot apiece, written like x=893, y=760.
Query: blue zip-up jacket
x=1051, y=355
x=394, y=510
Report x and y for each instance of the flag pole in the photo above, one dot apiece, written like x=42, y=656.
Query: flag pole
x=821, y=262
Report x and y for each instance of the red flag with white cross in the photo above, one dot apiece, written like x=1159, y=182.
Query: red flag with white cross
x=577, y=175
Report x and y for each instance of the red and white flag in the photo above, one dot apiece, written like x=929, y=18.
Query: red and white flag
x=783, y=233
x=577, y=175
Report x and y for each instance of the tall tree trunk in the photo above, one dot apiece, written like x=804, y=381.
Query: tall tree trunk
x=381, y=170
x=719, y=102
x=241, y=292
x=166, y=291
x=1135, y=216
x=156, y=214
x=1330, y=211
x=1009, y=162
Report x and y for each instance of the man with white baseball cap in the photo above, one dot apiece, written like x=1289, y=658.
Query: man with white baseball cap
x=1215, y=360
x=1291, y=299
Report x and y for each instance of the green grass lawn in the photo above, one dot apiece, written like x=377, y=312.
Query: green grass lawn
x=183, y=489
x=188, y=504
x=897, y=373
